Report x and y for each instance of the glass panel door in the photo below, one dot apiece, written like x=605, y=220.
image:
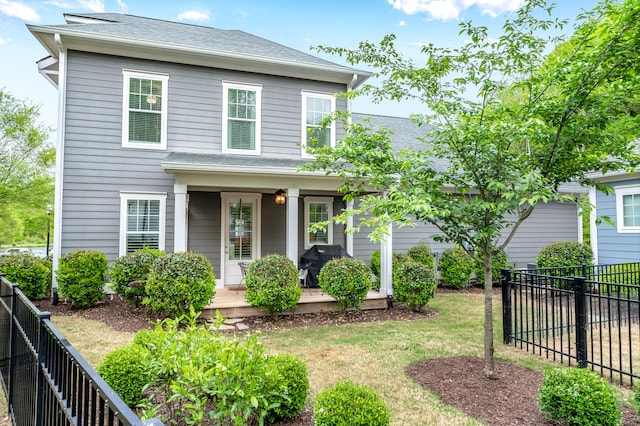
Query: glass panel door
x=240, y=230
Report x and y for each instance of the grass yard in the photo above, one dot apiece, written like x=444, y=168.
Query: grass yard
x=375, y=354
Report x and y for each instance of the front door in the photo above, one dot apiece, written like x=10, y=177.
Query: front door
x=240, y=231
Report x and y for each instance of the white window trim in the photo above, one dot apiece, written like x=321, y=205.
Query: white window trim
x=226, y=85
x=317, y=200
x=620, y=192
x=124, y=198
x=303, y=136
x=164, y=78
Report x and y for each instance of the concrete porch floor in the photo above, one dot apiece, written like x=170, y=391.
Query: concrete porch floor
x=231, y=303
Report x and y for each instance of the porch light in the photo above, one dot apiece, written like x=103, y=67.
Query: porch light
x=281, y=197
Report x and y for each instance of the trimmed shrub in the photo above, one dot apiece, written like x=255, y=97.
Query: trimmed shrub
x=179, y=282
x=498, y=262
x=396, y=260
x=273, y=284
x=414, y=285
x=200, y=376
x=123, y=369
x=32, y=273
x=422, y=254
x=81, y=276
x=577, y=396
x=294, y=373
x=347, y=280
x=456, y=267
x=129, y=273
x=563, y=254
x=348, y=403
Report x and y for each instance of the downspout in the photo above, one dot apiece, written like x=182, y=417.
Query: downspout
x=57, y=216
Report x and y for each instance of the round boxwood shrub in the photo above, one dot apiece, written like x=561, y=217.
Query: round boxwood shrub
x=498, y=262
x=347, y=280
x=563, y=254
x=413, y=285
x=81, y=276
x=348, y=403
x=179, y=282
x=456, y=267
x=129, y=273
x=577, y=396
x=123, y=369
x=273, y=284
x=422, y=254
x=396, y=259
x=295, y=378
x=32, y=273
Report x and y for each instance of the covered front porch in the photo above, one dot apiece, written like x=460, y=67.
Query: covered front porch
x=231, y=303
x=225, y=208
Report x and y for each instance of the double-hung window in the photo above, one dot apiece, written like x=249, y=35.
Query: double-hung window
x=316, y=107
x=628, y=209
x=142, y=221
x=316, y=210
x=241, y=121
x=144, y=110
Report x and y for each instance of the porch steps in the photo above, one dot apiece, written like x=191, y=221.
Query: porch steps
x=232, y=304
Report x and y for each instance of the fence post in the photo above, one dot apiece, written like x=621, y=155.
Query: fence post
x=12, y=347
x=580, y=291
x=505, y=281
x=41, y=385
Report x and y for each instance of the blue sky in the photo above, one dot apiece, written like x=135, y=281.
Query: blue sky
x=298, y=24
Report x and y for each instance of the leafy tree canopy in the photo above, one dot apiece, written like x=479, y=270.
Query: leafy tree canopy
x=26, y=167
x=506, y=124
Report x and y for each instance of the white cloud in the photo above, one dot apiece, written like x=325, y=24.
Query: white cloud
x=5, y=40
x=403, y=23
x=450, y=9
x=75, y=5
x=192, y=15
x=123, y=6
x=18, y=10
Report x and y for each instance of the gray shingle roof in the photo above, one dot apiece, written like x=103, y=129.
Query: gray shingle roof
x=182, y=35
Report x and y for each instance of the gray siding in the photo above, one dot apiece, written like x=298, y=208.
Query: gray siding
x=97, y=168
x=548, y=223
x=274, y=226
x=614, y=247
x=204, y=226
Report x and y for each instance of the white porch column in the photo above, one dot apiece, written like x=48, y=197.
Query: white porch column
x=180, y=218
x=349, y=236
x=386, y=268
x=293, y=195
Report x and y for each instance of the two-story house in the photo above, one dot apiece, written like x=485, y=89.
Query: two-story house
x=184, y=137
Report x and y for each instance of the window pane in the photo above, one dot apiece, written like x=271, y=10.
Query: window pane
x=144, y=126
x=241, y=135
x=318, y=212
x=631, y=209
x=143, y=224
x=318, y=137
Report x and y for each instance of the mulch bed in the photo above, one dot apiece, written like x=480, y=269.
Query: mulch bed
x=508, y=399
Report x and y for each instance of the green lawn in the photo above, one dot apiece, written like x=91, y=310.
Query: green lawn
x=372, y=353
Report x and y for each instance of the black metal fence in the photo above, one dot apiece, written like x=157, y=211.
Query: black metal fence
x=587, y=316
x=46, y=381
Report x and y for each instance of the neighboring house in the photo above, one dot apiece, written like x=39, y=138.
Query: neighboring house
x=184, y=137
x=621, y=242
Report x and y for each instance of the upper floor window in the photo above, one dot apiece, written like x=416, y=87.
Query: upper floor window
x=142, y=221
x=315, y=108
x=241, y=118
x=144, y=110
x=316, y=210
x=628, y=209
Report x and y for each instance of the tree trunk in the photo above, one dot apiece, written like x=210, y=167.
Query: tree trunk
x=488, y=316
